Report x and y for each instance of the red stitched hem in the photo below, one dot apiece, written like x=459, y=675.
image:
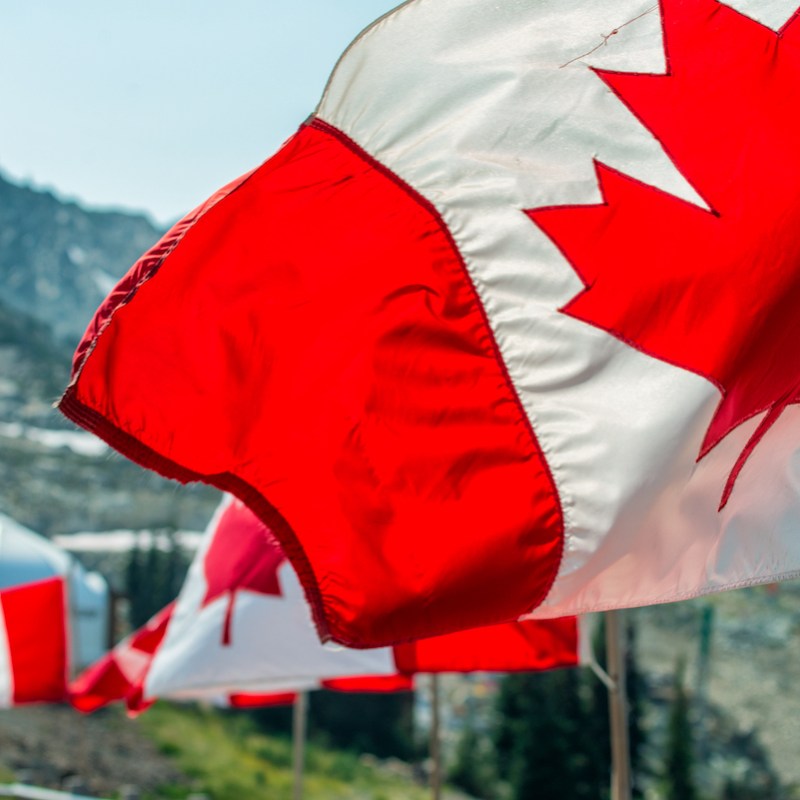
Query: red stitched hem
x=148, y=458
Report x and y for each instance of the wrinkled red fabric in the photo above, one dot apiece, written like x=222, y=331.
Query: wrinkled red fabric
x=533, y=645
x=244, y=700
x=377, y=684
x=312, y=342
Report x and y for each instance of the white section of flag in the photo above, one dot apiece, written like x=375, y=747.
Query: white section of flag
x=274, y=645
x=501, y=113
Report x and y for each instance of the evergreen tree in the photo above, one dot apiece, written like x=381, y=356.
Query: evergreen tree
x=174, y=569
x=153, y=579
x=135, y=589
x=271, y=719
x=552, y=734
x=637, y=693
x=679, y=761
x=541, y=738
x=380, y=724
x=599, y=725
x=472, y=769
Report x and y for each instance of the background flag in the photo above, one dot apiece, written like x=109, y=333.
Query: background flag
x=241, y=633
x=33, y=643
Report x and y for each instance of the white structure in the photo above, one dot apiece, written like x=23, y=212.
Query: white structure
x=26, y=556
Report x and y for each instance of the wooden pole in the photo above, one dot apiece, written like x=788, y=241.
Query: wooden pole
x=618, y=707
x=436, y=740
x=299, y=718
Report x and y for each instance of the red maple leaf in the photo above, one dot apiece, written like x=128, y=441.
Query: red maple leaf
x=715, y=291
x=243, y=555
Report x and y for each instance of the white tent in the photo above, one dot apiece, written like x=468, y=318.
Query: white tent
x=25, y=557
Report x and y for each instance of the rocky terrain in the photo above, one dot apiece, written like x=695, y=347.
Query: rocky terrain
x=57, y=262
x=53, y=746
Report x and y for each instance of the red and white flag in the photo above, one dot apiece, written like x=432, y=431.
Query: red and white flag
x=241, y=632
x=508, y=326
x=119, y=674
x=34, y=658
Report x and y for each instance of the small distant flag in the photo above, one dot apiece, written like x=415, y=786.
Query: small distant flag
x=34, y=659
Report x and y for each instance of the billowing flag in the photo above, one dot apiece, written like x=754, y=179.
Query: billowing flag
x=120, y=676
x=34, y=659
x=241, y=634
x=508, y=326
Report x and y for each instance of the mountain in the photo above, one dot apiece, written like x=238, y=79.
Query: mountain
x=34, y=367
x=57, y=263
x=58, y=260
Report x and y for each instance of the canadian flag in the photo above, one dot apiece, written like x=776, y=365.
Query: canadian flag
x=118, y=675
x=509, y=326
x=241, y=632
x=34, y=656
x=121, y=673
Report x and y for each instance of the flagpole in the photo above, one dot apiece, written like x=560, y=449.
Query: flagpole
x=618, y=707
x=436, y=741
x=73, y=632
x=299, y=717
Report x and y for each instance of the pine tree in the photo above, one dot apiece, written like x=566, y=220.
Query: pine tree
x=679, y=761
x=598, y=722
x=552, y=732
x=380, y=724
x=472, y=769
x=174, y=569
x=153, y=579
x=541, y=737
x=137, y=600
x=637, y=693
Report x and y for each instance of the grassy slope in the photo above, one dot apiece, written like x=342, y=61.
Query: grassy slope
x=230, y=760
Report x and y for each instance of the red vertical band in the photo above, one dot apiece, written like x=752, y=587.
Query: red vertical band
x=35, y=619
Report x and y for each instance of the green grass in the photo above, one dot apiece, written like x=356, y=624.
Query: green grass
x=7, y=775
x=229, y=759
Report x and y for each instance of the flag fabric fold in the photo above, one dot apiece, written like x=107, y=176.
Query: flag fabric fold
x=241, y=634
x=463, y=344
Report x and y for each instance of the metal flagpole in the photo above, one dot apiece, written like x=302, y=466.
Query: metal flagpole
x=436, y=741
x=618, y=707
x=299, y=718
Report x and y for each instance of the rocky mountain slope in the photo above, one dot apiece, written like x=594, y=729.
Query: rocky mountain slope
x=57, y=262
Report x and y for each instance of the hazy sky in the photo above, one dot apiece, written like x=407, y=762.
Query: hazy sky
x=154, y=104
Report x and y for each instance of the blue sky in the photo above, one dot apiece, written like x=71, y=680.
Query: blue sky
x=152, y=105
